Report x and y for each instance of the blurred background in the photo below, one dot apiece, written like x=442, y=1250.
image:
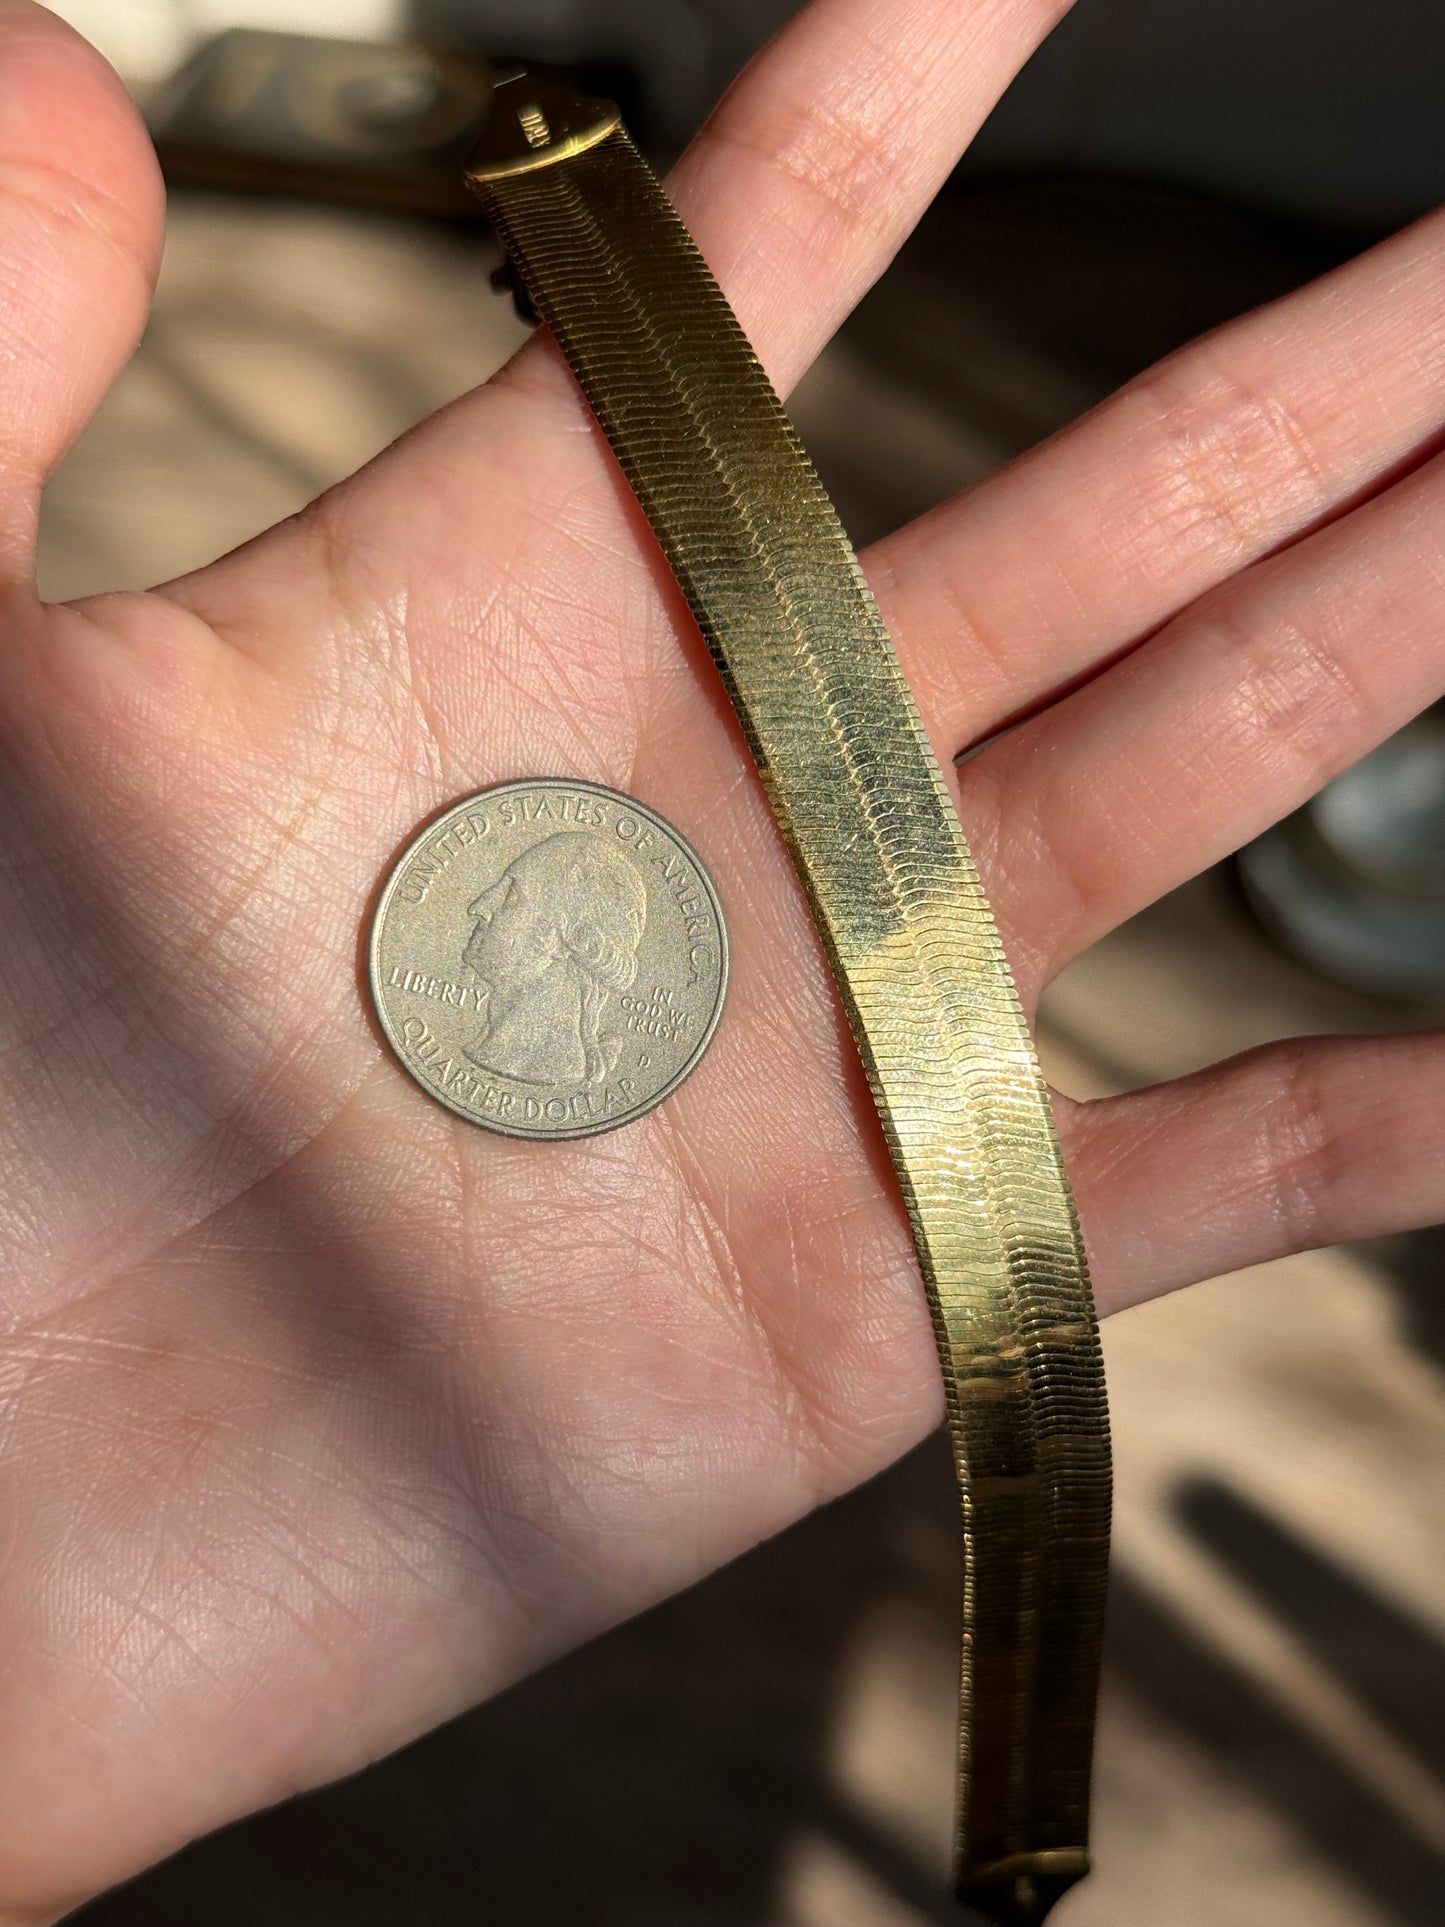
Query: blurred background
x=774, y=1748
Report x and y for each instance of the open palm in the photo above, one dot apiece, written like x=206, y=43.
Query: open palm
x=325, y=1413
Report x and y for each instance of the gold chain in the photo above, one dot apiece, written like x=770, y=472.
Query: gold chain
x=776, y=590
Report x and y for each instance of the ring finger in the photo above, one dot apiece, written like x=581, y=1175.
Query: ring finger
x=1233, y=715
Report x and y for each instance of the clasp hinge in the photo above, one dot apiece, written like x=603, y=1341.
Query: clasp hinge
x=534, y=123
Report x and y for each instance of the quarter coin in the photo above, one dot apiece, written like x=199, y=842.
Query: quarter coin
x=549, y=958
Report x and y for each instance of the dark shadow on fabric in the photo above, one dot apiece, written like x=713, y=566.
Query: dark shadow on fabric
x=1414, y=1267
x=1387, y=1660
x=1258, y=1743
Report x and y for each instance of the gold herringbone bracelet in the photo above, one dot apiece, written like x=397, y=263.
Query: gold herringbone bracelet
x=776, y=590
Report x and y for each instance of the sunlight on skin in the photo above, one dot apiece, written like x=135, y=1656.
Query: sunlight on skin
x=331, y=1414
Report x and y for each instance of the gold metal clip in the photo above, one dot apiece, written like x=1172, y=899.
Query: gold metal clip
x=534, y=123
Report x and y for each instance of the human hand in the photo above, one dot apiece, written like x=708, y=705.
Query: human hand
x=327, y=1414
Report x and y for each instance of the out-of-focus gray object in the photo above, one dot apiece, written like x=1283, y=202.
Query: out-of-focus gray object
x=1354, y=883
x=347, y=120
x=147, y=40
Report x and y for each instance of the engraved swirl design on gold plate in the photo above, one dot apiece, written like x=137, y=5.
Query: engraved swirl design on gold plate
x=777, y=592
x=549, y=958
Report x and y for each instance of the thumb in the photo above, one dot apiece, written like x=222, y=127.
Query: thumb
x=81, y=209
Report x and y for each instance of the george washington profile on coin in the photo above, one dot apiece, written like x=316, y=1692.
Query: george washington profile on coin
x=555, y=937
x=548, y=958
